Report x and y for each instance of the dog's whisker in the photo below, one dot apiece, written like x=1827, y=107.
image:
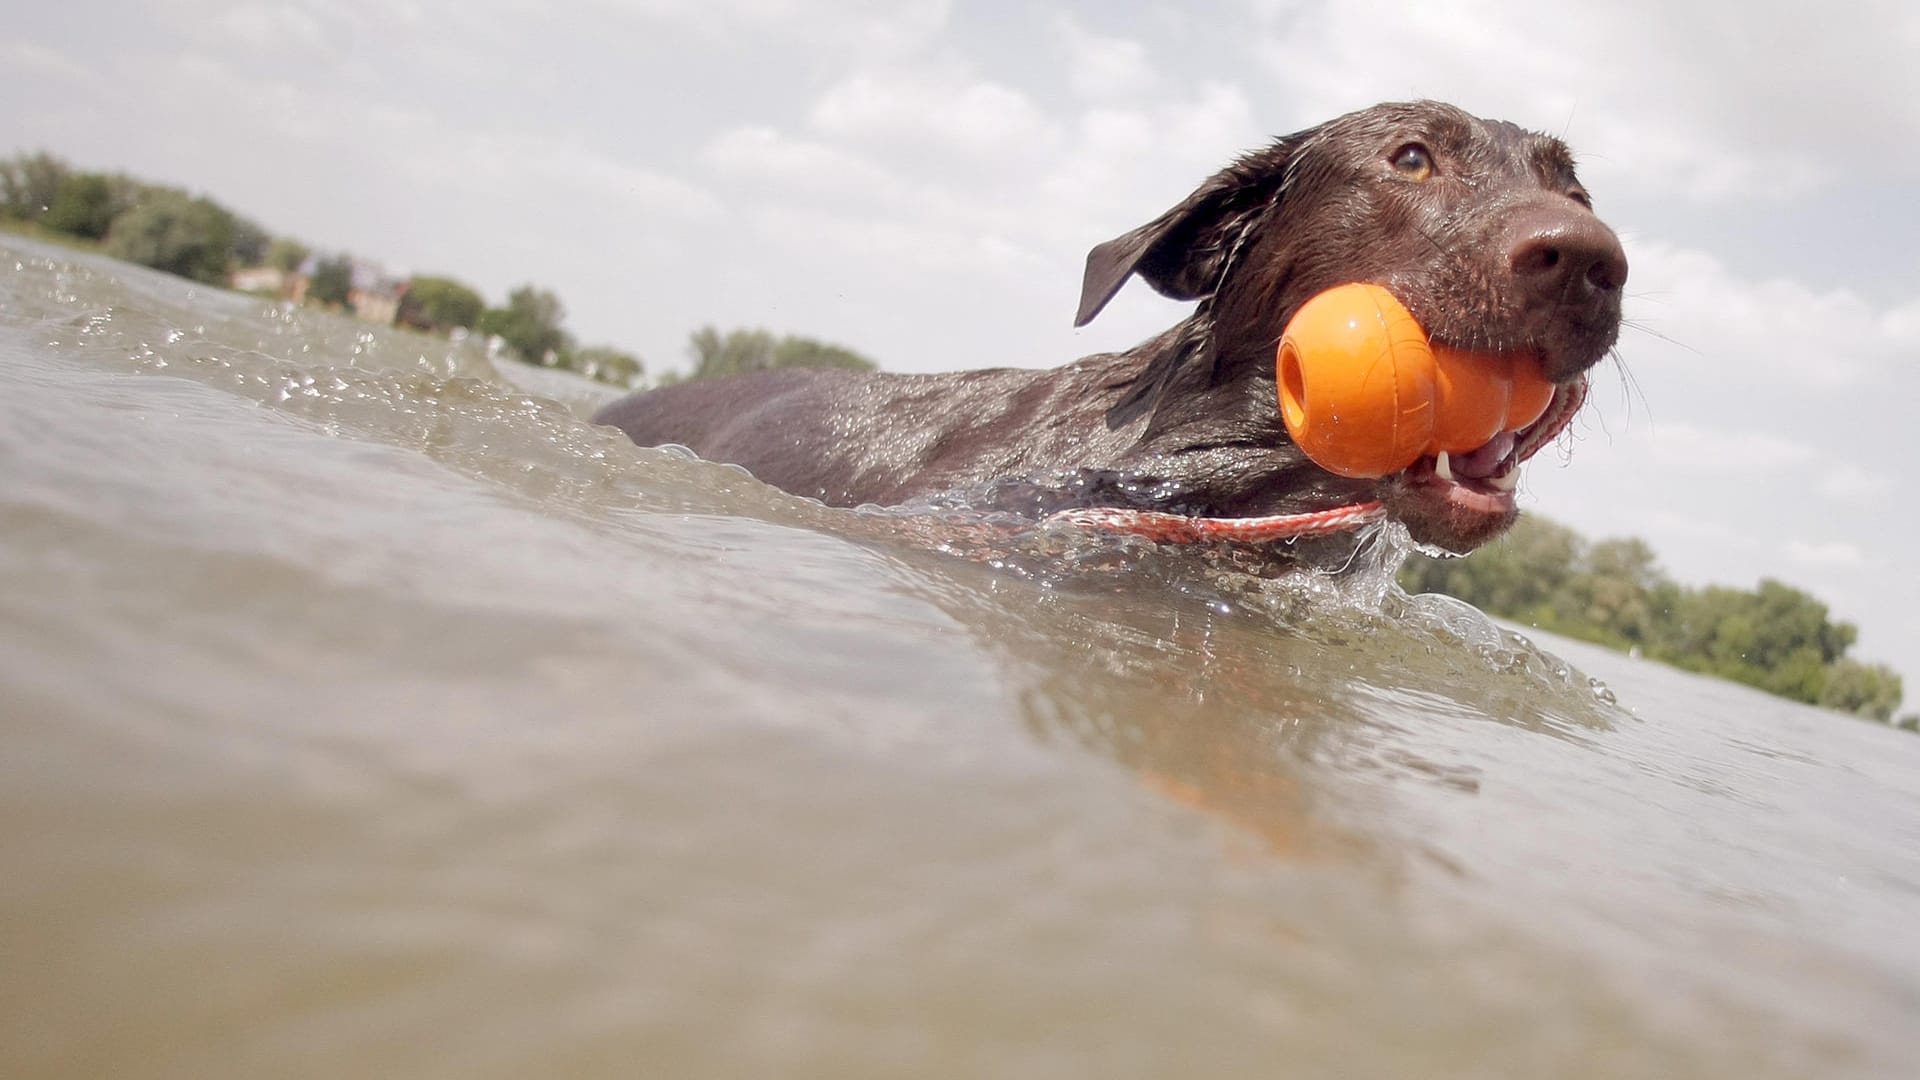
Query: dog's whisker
x=1631, y=384
x=1641, y=328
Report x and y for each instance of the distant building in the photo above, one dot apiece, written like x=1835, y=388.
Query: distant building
x=378, y=304
x=375, y=296
x=261, y=279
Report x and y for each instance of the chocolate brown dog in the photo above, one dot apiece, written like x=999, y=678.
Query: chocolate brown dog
x=1480, y=228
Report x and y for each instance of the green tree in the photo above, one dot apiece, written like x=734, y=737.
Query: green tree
x=800, y=352
x=332, y=281
x=529, y=324
x=1869, y=690
x=1518, y=576
x=128, y=192
x=1611, y=591
x=29, y=184
x=173, y=232
x=607, y=364
x=439, y=304
x=83, y=207
x=250, y=242
x=716, y=355
x=740, y=351
x=1774, y=637
x=286, y=254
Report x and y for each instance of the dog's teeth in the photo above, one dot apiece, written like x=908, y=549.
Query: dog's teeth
x=1441, y=468
x=1505, y=483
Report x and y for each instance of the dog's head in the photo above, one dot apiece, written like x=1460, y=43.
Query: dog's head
x=1480, y=228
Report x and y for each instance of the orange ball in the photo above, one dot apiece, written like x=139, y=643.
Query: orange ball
x=1364, y=392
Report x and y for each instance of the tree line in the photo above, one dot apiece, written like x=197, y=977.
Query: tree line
x=157, y=226
x=1611, y=592
x=195, y=237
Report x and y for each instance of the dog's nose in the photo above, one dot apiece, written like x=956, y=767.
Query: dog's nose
x=1567, y=255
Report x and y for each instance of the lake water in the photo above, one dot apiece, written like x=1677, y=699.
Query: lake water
x=368, y=713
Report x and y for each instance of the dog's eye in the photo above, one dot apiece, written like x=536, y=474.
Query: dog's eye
x=1580, y=196
x=1413, y=161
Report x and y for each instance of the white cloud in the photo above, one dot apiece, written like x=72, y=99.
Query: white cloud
x=1853, y=484
x=1814, y=338
x=277, y=27
x=905, y=247
x=1711, y=532
x=559, y=169
x=1902, y=323
x=944, y=111
x=1711, y=100
x=1827, y=554
x=42, y=62
x=963, y=216
x=537, y=171
x=1671, y=159
x=798, y=165
x=1694, y=448
x=1102, y=67
x=1124, y=166
x=860, y=27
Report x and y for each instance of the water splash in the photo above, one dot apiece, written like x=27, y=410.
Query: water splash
x=450, y=402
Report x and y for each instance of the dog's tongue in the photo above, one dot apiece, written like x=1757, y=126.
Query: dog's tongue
x=1482, y=463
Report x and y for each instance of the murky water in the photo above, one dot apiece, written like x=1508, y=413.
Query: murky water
x=366, y=713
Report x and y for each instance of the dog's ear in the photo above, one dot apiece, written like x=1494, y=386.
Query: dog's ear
x=1183, y=252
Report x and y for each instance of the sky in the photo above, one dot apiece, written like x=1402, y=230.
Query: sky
x=920, y=180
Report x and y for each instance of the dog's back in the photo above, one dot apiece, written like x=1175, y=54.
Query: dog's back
x=850, y=437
